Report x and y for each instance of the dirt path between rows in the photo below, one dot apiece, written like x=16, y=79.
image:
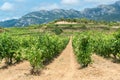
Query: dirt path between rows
x=65, y=67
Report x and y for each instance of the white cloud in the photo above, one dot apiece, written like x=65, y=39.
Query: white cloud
x=7, y=6
x=46, y=7
x=70, y=2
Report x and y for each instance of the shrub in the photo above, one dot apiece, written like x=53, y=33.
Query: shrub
x=57, y=30
x=82, y=49
x=8, y=48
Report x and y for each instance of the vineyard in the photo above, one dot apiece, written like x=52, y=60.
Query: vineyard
x=88, y=43
x=60, y=52
x=37, y=50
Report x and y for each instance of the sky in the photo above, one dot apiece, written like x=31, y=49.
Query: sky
x=13, y=9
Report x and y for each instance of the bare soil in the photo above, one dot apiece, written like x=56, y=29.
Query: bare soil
x=65, y=67
x=65, y=22
x=1, y=30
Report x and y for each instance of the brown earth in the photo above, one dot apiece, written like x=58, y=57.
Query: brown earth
x=65, y=67
x=65, y=22
x=1, y=30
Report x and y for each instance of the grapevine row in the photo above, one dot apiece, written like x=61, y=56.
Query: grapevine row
x=38, y=50
x=86, y=43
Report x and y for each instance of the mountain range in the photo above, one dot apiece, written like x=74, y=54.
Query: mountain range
x=102, y=12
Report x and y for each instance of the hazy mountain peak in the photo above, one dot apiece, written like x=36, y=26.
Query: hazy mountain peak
x=117, y=2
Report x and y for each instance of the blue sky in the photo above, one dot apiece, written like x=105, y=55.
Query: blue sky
x=16, y=8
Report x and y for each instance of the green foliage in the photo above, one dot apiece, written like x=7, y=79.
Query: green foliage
x=100, y=43
x=103, y=45
x=70, y=25
x=113, y=24
x=82, y=48
x=36, y=49
x=35, y=59
x=83, y=26
x=116, y=45
x=42, y=50
x=57, y=30
x=8, y=48
x=35, y=26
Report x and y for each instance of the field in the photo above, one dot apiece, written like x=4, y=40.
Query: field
x=61, y=50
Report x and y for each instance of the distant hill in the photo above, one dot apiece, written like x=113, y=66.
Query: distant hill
x=102, y=12
x=45, y=16
x=8, y=23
